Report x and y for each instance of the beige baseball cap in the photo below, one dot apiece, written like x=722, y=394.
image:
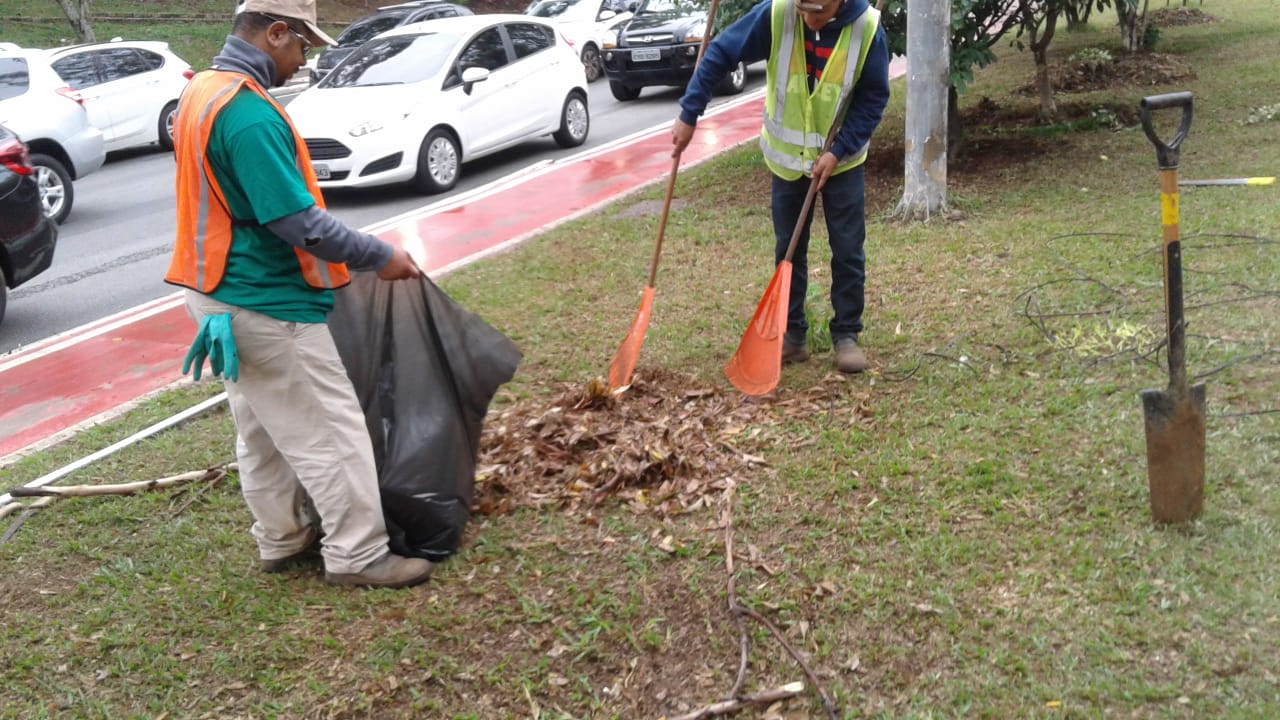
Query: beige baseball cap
x=304, y=10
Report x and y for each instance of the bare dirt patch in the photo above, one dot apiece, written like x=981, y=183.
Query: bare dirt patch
x=650, y=208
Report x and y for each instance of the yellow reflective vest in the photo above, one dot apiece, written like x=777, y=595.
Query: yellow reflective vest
x=796, y=121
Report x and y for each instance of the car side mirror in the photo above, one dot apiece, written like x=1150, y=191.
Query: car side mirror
x=607, y=15
x=473, y=75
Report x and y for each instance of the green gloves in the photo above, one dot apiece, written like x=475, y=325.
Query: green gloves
x=214, y=341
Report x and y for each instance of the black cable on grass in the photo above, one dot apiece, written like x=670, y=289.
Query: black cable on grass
x=1029, y=304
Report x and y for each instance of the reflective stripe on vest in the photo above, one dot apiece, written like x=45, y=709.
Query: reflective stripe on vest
x=796, y=121
x=205, y=224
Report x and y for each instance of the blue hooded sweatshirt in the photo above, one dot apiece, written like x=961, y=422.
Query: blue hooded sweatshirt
x=751, y=38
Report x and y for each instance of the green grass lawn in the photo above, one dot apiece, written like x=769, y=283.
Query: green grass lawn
x=963, y=532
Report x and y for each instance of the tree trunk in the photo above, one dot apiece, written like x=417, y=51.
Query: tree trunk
x=928, y=84
x=1078, y=15
x=1041, y=34
x=1044, y=85
x=1133, y=23
x=77, y=12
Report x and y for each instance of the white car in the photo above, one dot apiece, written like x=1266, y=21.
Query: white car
x=414, y=103
x=50, y=117
x=584, y=24
x=130, y=88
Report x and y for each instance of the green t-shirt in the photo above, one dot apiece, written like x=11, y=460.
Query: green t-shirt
x=252, y=155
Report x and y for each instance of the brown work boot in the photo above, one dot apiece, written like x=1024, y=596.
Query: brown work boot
x=309, y=554
x=849, y=357
x=794, y=353
x=389, y=571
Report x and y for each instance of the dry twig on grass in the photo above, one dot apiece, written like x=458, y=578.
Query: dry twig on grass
x=27, y=511
x=208, y=475
x=737, y=704
x=736, y=700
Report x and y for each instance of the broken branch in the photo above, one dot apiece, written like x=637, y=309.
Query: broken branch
x=733, y=705
x=213, y=473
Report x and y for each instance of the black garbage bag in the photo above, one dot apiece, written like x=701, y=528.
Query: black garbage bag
x=425, y=371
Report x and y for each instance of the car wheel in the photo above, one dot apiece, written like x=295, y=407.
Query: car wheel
x=4, y=294
x=56, y=192
x=735, y=82
x=439, y=161
x=168, y=116
x=575, y=121
x=623, y=92
x=591, y=62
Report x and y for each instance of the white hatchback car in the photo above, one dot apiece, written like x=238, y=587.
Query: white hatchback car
x=130, y=88
x=414, y=103
x=49, y=116
x=584, y=24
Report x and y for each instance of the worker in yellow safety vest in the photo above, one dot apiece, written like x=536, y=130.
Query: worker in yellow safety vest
x=819, y=53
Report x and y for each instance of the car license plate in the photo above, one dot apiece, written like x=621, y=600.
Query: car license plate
x=645, y=55
x=322, y=171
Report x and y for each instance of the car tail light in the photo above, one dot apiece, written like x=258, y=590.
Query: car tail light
x=71, y=93
x=566, y=40
x=188, y=73
x=13, y=155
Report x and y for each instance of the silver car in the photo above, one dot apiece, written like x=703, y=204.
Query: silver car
x=49, y=115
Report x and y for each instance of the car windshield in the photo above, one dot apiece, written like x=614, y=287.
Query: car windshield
x=550, y=8
x=393, y=61
x=362, y=31
x=651, y=7
x=14, y=79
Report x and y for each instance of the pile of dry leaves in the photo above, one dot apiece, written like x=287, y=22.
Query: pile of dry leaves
x=665, y=445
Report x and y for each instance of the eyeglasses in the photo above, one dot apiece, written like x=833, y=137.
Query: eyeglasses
x=306, y=44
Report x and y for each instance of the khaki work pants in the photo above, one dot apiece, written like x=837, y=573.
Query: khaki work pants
x=300, y=426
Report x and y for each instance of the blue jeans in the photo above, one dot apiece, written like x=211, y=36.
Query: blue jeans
x=843, y=206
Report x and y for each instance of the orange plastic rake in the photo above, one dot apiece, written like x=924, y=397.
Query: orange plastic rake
x=624, y=360
x=756, y=367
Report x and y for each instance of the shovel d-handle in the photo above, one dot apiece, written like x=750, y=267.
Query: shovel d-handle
x=1166, y=152
x=1167, y=156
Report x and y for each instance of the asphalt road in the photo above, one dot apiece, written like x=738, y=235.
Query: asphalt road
x=114, y=248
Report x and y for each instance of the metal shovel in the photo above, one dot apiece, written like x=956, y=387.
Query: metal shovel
x=1174, y=417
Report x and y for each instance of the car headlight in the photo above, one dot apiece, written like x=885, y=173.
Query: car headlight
x=694, y=34
x=610, y=39
x=364, y=128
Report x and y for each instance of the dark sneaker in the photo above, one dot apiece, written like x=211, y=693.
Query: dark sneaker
x=849, y=357
x=389, y=571
x=794, y=353
x=308, y=555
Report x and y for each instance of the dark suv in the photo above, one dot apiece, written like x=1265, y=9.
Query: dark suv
x=381, y=20
x=27, y=235
x=659, y=46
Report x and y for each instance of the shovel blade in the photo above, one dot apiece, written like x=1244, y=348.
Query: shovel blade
x=1175, y=453
x=624, y=360
x=756, y=367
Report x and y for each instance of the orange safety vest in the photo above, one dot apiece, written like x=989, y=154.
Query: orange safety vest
x=205, y=223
